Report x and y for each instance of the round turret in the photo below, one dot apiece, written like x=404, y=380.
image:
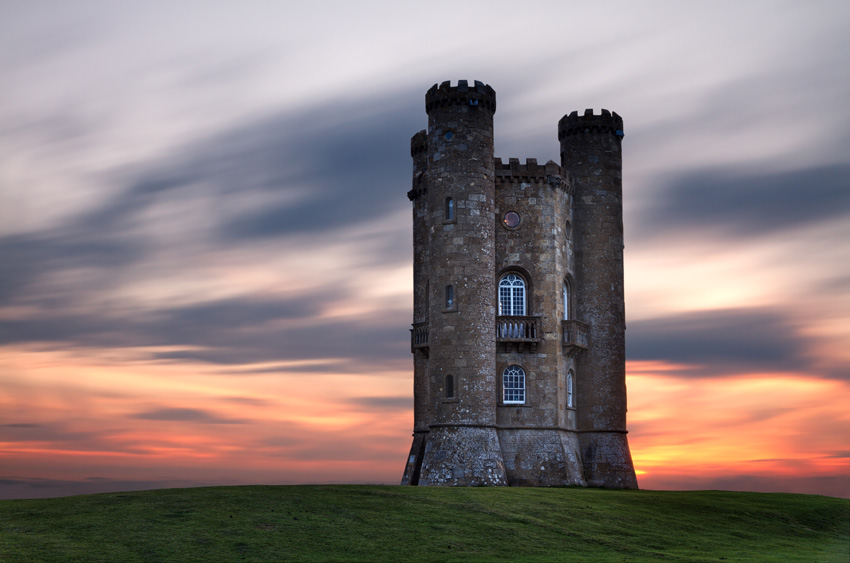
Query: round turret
x=457, y=204
x=574, y=124
x=480, y=95
x=591, y=150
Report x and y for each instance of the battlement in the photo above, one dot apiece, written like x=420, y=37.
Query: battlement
x=574, y=123
x=513, y=171
x=480, y=95
x=419, y=143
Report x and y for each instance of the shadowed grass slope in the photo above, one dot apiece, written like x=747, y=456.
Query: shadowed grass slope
x=384, y=523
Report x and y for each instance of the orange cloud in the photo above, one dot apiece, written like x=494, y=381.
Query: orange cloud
x=760, y=424
x=86, y=414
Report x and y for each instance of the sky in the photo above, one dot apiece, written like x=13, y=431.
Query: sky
x=206, y=249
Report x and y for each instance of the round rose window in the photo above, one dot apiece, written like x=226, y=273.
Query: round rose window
x=511, y=219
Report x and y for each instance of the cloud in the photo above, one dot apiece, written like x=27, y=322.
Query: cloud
x=736, y=204
x=231, y=332
x=721, y=341
x=176, y=414
x=829, y=485
x=31, y=260
x=50, y=432
x=310, y=171
x=12, y=487
x=400, y=403
x=285, y=177
x=250, y=401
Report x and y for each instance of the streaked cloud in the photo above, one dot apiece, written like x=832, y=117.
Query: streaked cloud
x=721, y=341
x=731, y=206
x=177, y=414
x=205, y=242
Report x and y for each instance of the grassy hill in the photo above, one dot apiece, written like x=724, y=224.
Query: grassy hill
x=383, y=523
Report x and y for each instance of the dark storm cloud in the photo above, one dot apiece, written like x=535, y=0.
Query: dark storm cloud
x=735, y=204
x=721, y=341
x=176, y=414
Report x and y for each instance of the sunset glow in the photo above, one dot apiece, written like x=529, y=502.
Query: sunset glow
x=206, y=247
x=771, y=425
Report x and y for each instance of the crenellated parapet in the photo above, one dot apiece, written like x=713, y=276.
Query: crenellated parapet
x=478, y=95
x=574, y=124
x=419, y=143
x=550, y=173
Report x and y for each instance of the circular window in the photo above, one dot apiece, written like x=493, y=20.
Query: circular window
x=511, y=219
x=449, y=135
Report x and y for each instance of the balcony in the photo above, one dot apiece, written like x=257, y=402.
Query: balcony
x=574, y=336
x=518, y=330
x=420, y=338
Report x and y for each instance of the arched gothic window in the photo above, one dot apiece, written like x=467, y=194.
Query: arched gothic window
x=450, y=387
x=513, y=385
x=512, y=295
x=450, y=209
x=570, y=399
x=450, y=297
x=566, y=297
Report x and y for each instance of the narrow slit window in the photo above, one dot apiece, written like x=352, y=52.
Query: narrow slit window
x=570, y=399
x=450, y=209
x=566, y=296
x=450, y=387
x=450, y=297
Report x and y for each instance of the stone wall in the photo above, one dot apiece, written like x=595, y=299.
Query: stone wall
x=569, y=231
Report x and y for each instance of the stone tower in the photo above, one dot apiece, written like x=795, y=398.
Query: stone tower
x=518, y=329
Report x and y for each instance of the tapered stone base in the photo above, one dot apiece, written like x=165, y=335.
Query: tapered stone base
x=541, y=458
x=607, y=460
x=414, y=459
x=462, y=456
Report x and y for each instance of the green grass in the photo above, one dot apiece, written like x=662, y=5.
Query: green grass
x=383, y=523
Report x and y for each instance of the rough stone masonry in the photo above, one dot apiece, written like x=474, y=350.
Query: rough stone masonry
x=518, y=335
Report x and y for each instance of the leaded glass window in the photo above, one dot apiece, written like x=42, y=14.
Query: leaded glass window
x=513, y=385
x=512, y=295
